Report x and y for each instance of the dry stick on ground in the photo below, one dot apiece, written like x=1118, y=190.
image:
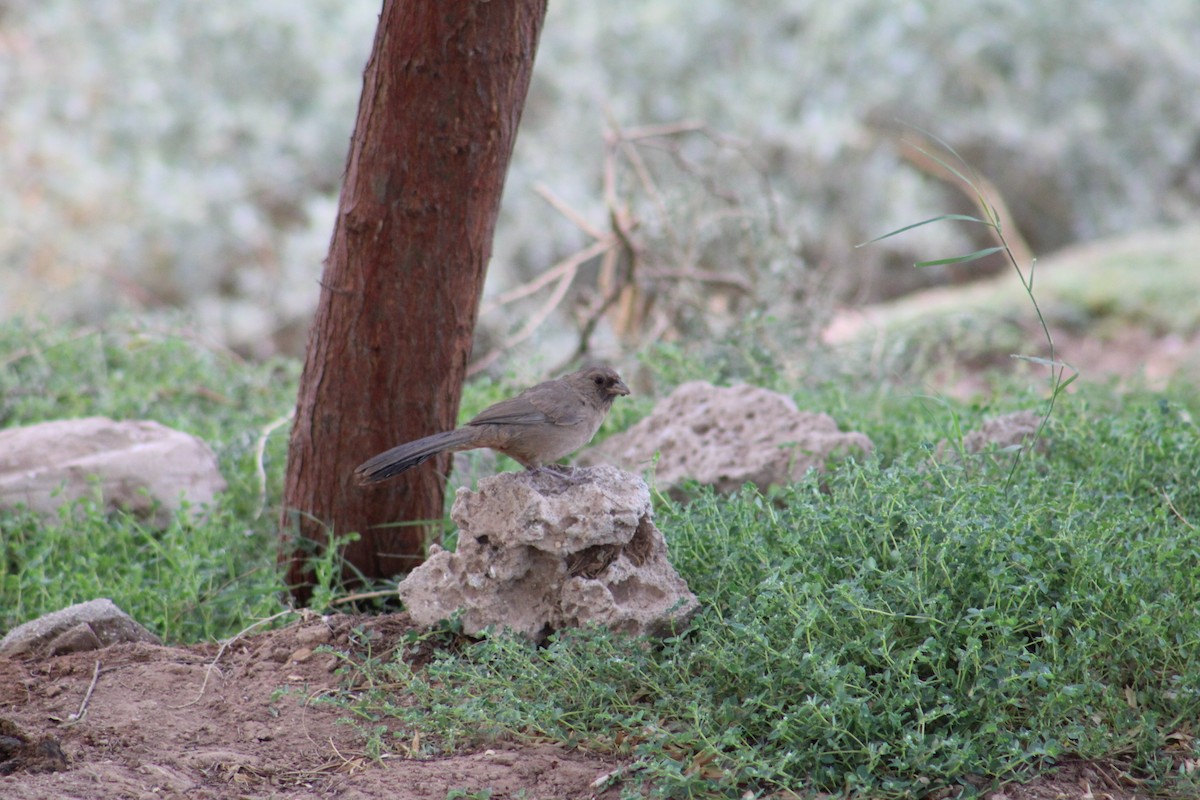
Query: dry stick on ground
x=220, y=652
x=351, y=598
x=79, y=715
x=347, y=764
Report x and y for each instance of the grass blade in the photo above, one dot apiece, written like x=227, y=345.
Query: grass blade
x=978, y=254
x=958, y=217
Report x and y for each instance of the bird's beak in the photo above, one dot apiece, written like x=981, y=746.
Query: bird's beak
x=619, y=388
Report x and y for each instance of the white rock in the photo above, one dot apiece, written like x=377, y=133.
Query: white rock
x=540, y=551
x=1013, y=430
x=133, y=464
x=1007, y=430
x=727, y=437
x=81, y=627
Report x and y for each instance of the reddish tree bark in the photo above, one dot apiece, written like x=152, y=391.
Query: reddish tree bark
x=442, y=96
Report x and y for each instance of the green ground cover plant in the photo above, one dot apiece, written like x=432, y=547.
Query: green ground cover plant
x=198, y=579
x=924, y=620
x=891, y=629
x=911, y=621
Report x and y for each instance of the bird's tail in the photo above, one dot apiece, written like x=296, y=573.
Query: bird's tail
x=409, y=455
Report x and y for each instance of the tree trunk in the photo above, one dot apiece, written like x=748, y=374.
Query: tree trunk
x=387, y=354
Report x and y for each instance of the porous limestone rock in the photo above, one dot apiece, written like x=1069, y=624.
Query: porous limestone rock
x=542, y=550
x=137, y=465
x=727, y=437
x=1013, y=430
x=1006, y=430
x=84, y=626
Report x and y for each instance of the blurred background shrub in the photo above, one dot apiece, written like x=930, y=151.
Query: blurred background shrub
x=160, y=155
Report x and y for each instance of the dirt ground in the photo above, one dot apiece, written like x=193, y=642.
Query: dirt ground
x=153, y=728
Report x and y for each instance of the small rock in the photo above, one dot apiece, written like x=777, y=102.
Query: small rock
x=539, y=551
x=255, y=731
x=313, y=635
x=83, y=626
x=728, y=437
x=1006, y=430
x=76, y=639
x=139, y=466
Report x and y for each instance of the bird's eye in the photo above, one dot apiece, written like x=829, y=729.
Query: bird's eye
x=599, y=380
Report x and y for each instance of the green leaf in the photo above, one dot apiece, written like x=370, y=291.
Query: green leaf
x=978, y=254
x=958, y=217
x=1044, y=362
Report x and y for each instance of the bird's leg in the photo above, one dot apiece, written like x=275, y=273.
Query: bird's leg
x=564, y=472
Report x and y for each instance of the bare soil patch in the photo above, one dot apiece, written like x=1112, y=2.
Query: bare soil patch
x=154, y=729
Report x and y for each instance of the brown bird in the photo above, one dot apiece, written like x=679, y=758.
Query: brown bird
x=539, y=426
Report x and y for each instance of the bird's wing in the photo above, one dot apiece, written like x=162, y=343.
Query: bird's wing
x=514, y=411
x=534, y=406
x=562, y=405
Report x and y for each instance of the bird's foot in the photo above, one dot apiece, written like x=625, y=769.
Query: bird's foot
x=571, y=474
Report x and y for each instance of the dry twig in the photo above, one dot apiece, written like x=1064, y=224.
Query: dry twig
x=625, y=285
x=221, y=651
x=87, y=698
